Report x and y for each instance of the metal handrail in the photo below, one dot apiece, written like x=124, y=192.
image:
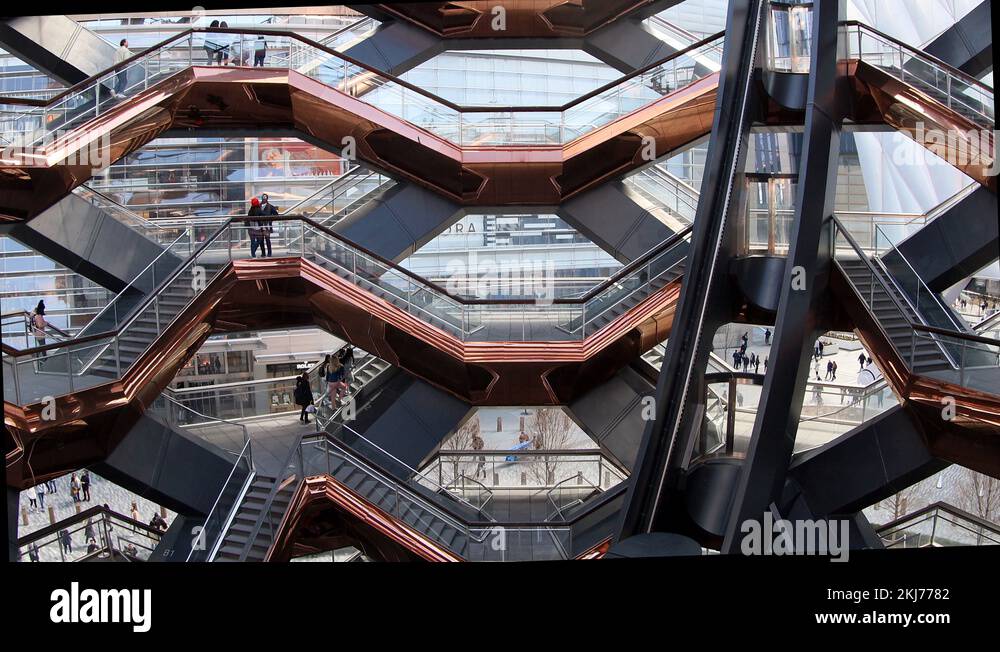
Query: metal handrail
x=151, y=51
x=213, y=550
x=937, y=299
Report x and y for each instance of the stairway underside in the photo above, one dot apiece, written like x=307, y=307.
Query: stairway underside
x=273, y=293
x=545, y=19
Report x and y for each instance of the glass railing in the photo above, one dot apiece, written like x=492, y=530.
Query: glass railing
x=528, y=469
x=462, y=126
x=924, y=301
x=828, y=410
x=952, y=88
x=324, y=452
x=958, y=356
x=666, y=191
x=939, y=525
x=158, y=233
x=96, y=534
x=130, y=324
x=225, y=507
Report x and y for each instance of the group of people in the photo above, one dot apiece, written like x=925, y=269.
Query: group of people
x=751, y=361
x=223, y=49
x=260, y=228
x=336, y=373
x=79, y=488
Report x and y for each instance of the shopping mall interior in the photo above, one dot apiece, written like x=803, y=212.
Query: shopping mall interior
x=456, y=281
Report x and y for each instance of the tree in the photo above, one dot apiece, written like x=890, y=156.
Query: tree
x=462, y=441
x=980, y=495
x=550, y=430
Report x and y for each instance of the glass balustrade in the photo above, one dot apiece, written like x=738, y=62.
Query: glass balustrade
x=132, y=322
x=939, y=525
x=555, y=126
x=96, y=534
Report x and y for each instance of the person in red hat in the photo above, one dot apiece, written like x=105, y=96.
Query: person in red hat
x=255, y=239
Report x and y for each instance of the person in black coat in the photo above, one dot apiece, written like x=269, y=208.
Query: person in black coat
x=303, y=396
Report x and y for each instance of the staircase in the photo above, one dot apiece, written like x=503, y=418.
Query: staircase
x=255, y=514
x=605, y=314
x=137, y=337
x=402, y=506
x=927, y=355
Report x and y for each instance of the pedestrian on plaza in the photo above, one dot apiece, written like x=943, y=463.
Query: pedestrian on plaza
x=85, y=485
x=135, y=511
x=766, y=358
x=65, y=540
x=32, y=498
x=861, y=360
x=479, y=444
x=746, y=362
x=756, y=365
x=158, y=522
x=51, y=486
x=834, y=370
x=254, y=226
x=829, y=370
x=33, y=551
x=74, y=488
x=869, y=361
x=303, y=396
x=40, y=494
x=88, y=531
x=122, y=53
x=91, y=545
x=767, y=336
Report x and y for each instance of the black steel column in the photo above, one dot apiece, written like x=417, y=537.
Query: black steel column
x=803, y=291
x=666, y=440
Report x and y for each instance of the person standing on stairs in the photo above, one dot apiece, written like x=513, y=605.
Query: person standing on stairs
x=268, y=212
x=303, y=396
x=254, y=227
x=38, y=326
x=335, y=381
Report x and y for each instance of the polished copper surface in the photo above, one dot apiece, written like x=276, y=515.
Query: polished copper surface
x=260, y=99
x=316, y=496
x=262, y=294
x=524, y=18
x=972, y=437
x=597, y=551
x=881, y=98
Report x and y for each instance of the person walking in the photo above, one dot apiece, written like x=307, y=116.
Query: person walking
x=479, y=444
x=135, y=511
x=38, y=326
x=346, y=356
x=767, y=337
x=121, y=77
x=254, y=225
x=40, y=494
x=65, y=540
x=833, y=370
x=756, y=365
x=267, y=212
x=303, y=396
x=335, y=380
x=32, y=498
x=829, y=370
x=861, y=360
